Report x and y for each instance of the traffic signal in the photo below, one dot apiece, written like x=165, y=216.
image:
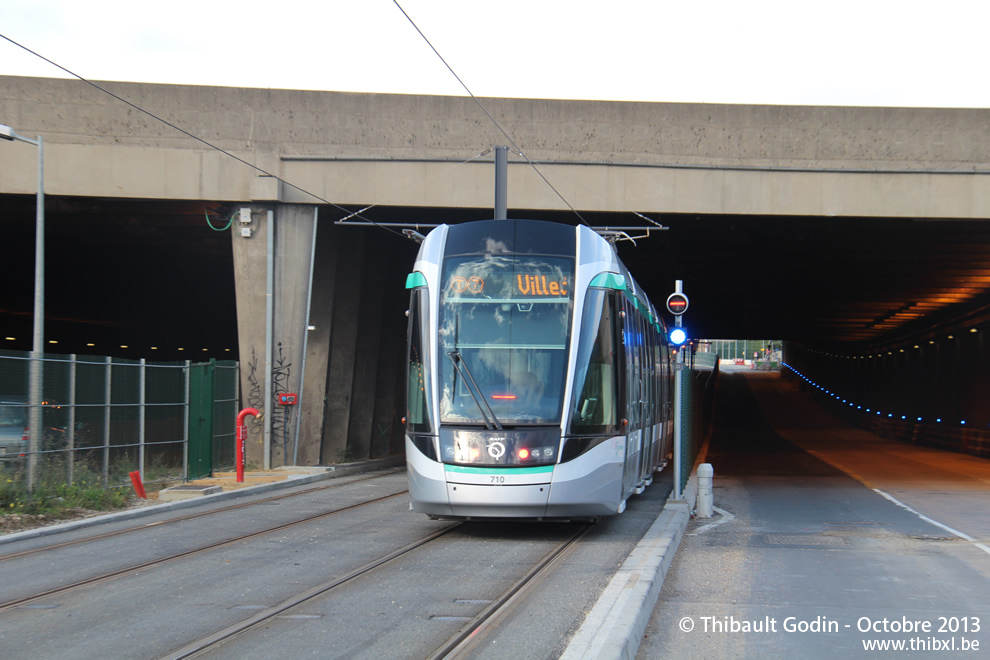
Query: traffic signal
x=677, y=336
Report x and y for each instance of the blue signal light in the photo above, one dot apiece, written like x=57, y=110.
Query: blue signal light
x=678, y=336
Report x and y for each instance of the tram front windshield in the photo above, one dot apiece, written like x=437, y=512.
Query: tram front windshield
x=504, y=325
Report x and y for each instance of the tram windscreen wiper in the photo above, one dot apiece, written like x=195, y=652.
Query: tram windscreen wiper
x=482, y=404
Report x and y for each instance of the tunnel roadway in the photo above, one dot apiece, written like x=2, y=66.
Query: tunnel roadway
x=820, y=522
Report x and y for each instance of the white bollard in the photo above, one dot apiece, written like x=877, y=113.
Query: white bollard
x=705, y=504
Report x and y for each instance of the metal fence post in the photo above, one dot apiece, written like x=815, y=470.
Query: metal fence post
x=106, y=422
x=185, y=426
x=141, y=416
x=70, y=458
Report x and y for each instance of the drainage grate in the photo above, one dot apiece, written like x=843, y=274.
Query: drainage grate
x=804, y=539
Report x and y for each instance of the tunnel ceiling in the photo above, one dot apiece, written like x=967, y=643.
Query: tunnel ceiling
x=834, y=282
x=842, y=283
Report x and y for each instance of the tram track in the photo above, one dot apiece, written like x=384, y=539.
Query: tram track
x=215, y=639
x=457, y=646
x=461, y=644
x=105, y=577
x=191, y=516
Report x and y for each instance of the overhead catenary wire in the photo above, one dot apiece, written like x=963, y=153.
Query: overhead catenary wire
x=489, y=115
x=348, y=213
x=191, y=135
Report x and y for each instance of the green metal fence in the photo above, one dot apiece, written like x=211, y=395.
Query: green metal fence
x=103, y=418
x=697, y=399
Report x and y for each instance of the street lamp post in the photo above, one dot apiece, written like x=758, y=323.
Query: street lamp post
x=38, y=339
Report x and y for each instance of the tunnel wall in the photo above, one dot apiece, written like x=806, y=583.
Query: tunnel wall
x=933, y=390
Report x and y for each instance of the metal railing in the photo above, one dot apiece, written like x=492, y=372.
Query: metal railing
x=103, y=418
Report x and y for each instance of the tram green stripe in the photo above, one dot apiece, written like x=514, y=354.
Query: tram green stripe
x=523, y=470
x=609, y=281
x=415, y=279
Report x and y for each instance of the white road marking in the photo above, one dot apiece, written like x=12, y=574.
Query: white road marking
x=961, y=535
x=726, y=517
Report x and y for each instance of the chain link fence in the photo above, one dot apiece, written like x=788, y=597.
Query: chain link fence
x=102, y=418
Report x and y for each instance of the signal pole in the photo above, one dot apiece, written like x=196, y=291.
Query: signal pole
x=677, y=304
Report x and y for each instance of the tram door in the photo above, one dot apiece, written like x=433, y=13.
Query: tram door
x=652, y=414
x=633, y=339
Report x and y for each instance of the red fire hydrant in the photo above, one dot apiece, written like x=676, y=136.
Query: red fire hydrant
x=241, y=437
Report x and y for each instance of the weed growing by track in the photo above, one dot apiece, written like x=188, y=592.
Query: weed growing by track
x=52, y=499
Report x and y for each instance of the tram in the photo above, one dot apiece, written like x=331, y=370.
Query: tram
x=539, y=375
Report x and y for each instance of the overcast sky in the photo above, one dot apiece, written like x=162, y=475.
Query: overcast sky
x=841, y=52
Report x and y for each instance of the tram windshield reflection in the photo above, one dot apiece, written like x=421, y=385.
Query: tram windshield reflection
x=507, y=316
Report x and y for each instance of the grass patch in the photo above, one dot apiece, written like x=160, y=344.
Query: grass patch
x=55, y=499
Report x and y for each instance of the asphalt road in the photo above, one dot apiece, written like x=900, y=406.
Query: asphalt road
x=810, y=557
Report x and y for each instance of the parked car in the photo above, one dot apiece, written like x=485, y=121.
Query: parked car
x=13, y=427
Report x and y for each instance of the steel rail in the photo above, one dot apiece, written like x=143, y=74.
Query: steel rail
x=159, y=523
x=26, y=600
x=214, y=639
x=465, y=640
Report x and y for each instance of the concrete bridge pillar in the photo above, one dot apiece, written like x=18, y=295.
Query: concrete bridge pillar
x=350, y=396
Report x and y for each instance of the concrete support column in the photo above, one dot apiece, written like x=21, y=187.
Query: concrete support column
x=250, y=262
x=293, y=227
x=350, y=402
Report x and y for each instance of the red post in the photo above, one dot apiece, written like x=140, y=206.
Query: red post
x=241, y=437
x=138, y=486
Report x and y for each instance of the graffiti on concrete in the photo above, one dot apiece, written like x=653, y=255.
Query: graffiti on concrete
x=281, y=372
x=255, y=398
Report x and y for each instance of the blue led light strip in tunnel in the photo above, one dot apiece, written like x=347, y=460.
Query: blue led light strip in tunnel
x=880, y=413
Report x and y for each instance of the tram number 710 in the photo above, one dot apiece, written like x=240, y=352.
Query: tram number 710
x=498, y=480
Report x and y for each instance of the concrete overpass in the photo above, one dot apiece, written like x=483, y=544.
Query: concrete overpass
x=293, y=157
x=405, y=151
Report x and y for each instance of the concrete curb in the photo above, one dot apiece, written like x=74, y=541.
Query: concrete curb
x=331, y=473
x=615, y=626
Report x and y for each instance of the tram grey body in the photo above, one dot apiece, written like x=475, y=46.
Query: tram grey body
x=538, y=375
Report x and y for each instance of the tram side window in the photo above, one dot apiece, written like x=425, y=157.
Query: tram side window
x=594, y=410
x=418, y=414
